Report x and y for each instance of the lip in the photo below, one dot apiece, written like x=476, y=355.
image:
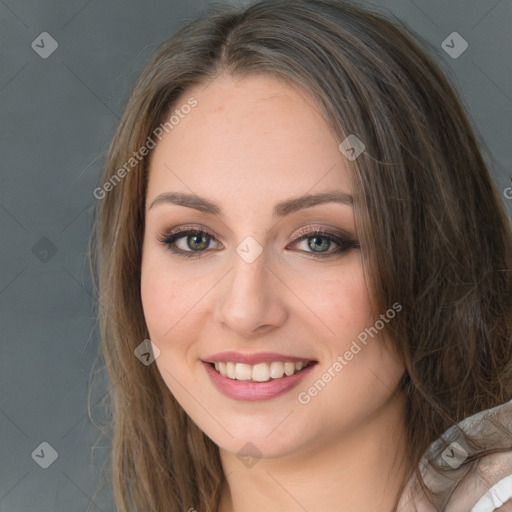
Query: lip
x=255, y=391
x=261, y=357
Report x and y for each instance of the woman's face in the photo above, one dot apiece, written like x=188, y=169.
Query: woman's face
x=261, y=291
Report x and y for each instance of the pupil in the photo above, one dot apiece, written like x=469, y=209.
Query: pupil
x=203, y=245
x=316, y=244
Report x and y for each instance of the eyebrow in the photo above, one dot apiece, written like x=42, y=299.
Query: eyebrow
x=280, y=209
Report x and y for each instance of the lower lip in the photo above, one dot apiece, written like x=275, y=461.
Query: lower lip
x=254, y=391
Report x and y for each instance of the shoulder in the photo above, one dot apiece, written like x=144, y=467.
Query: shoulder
x=469, y=468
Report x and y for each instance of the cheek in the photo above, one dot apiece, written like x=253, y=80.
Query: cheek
x=172, y=311
x=171, y=292
x=155, y=294
x=167, y=313
x=164, y=312
x=160, y=297
x=343, y=303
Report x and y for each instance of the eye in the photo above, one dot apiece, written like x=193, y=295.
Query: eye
x=320, y=241
x=187, y=242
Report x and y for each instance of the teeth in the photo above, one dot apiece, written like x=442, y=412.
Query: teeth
x=289, y=368
x=261, y=372
x=276, y=370
x=230, y=370
x=242, y=371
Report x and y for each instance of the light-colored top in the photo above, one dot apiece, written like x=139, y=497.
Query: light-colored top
x=495, y=497
x=488, y=484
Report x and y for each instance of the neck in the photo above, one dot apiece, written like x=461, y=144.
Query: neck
x=362, y=470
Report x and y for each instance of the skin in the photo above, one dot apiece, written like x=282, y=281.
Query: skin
x=248, y=144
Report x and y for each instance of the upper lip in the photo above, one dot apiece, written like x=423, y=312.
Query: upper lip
x=261, y=357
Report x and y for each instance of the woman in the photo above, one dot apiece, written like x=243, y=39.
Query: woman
x=304, y=273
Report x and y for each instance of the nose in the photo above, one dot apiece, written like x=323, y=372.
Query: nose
x=251, y=299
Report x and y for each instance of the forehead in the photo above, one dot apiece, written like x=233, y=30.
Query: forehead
x=256, y=137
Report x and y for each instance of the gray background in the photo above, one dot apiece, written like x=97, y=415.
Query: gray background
x=57, y=117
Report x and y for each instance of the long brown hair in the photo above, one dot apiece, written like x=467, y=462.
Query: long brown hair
x=434, y=234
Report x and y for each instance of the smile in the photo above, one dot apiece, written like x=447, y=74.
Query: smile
x=256, y=377
x=261, y=372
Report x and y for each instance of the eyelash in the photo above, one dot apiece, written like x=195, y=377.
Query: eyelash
x=344, y=243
